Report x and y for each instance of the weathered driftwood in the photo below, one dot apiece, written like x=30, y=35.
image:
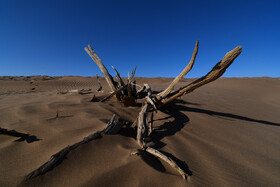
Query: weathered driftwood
x=114, y=93
x=99, y=83
x=125, y=93
x=82, y=91
x=101, y=66
x=151, y=124
x=167, y=159
x=182, y=74
x=140, y=91
x=112, y=127
x=142, y=125
x=118, y=78
x=59, y=156
x=217, y=71
x=130, y=77
x=143, y=131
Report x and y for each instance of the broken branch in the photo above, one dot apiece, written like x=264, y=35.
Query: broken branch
x=101, y=66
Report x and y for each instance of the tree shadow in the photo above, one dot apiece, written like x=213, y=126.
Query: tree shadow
x=175, y=111
x=171, y=127
x=152, y=161
x=227, y=116
x=22, y=136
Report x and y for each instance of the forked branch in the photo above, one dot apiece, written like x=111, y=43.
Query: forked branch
x=217, y=71
x=182, y=74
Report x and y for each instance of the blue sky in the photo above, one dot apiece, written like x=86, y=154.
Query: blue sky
x=47, y=37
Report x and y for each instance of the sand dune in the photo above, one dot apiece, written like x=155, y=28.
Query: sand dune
x=225, y=133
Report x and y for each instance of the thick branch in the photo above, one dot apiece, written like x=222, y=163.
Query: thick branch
x=182, y=74
x=217, y=71
x=142, y=130
x=168, y=160
x=112, y=128
x=101, y=66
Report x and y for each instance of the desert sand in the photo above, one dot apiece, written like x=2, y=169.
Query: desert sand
x=225, y=133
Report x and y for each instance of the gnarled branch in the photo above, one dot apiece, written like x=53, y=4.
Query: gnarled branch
x=101, y=66
x=182, y=74
x=217, y=71
x=112, y=127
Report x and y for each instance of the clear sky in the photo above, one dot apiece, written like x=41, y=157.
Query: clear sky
x=47, y=37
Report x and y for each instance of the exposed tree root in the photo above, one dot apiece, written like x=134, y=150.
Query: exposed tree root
x=167, y=159
x=113, y=126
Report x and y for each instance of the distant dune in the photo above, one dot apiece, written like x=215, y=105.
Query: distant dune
x=227, y=133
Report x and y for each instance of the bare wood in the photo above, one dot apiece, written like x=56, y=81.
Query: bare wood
x=51, y=163
x=168, y=160
x=151, y=124
x=111, y=128
x=132, y=75
x=140, y=90
x=150, y=100
x=142, y=129
x=99, y=83
x=149, y=90
x=114, y=93
x=217, y=71
x=101, y=66
x=181, y=75
x=119, y=79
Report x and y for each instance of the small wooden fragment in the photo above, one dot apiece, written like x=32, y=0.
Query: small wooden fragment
x=99, y=83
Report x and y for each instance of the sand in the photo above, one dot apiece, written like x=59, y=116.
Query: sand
x=225, y=133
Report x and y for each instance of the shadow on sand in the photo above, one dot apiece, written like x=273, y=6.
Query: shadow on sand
x=22, y=136
x=175, y=111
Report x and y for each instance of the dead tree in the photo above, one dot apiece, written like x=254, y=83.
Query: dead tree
x=127, y=94
x=151, y=103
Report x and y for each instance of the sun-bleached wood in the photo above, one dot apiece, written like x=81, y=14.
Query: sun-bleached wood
x=112, y=127
x=167, y=159
x=217, y=71
x=118, y=77
x=114, y=93
x=51, y=163
x=99, y=83
x=181, y=75
x=101, y=66
x=142, y=125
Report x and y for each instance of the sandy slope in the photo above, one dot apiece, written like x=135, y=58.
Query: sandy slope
x=227, y=132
